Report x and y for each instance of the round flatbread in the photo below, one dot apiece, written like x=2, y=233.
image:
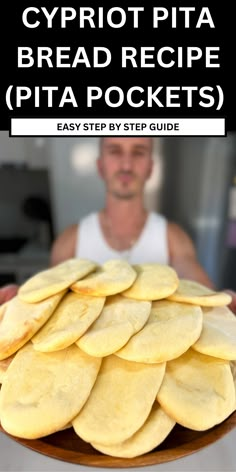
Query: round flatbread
x=170, y=330
x=51, y=281
x=197, y=391
x=218, y=336
x=43, y=392
x=19, y=321
x=153, y=282
x=0, y=405
x=118, y=321
x=4, y=364
x=233, y=370
x=120, y=401
x=155, y=429
x=70, y=320
x=113, y=277
x=190, y=291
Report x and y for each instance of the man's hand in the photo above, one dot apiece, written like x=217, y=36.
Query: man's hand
x=8, y=292
x=232, y=305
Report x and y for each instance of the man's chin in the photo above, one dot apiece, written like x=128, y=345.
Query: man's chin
x=124, y=195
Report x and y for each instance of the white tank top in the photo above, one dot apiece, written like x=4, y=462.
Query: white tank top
x=151, y=246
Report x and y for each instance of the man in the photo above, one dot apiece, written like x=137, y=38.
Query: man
x=124, y=229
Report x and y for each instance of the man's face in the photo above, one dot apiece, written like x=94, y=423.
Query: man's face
x=125, y=164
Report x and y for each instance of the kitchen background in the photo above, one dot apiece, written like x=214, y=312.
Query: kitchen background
x=49, y=183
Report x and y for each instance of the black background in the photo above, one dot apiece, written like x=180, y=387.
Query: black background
x=16, y=34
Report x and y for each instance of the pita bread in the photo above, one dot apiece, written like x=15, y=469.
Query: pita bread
x=120, y=401
x=69, y=321
x=153, y=282
x=197, y=391
x=155, y=429
x=170, y=330
x=51, y=281
x=4, y=364
x=119, y=320
x=19, y=321
x=218, y=336
x=190, y=291
x=233, y=370
x=43, y=392
x=0, y=404
x=111, y=278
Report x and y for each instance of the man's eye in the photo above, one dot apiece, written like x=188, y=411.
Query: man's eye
x=115, y=152
x=139, y=154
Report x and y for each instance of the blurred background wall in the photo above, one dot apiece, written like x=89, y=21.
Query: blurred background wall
x=48, y=183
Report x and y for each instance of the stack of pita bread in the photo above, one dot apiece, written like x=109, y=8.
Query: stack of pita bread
x=120, y=353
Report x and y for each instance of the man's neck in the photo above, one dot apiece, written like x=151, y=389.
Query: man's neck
x=125, y=212
x=122, y=222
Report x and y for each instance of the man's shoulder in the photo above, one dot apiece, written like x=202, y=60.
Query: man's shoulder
x=179, y=241
x=175, y=230
x=64, y=246
x=69, y=232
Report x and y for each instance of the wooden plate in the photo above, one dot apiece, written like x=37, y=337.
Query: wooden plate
x=67, y=446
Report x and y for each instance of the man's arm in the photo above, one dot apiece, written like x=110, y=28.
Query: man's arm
x=183, y=256
x=183, y=259
x=64, y=246
x=7, y=292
